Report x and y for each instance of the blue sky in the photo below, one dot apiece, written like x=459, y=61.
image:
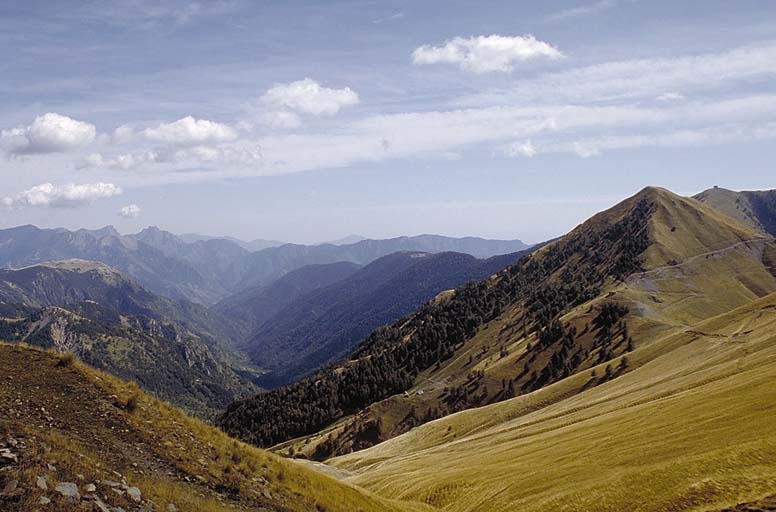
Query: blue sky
x=308, y=120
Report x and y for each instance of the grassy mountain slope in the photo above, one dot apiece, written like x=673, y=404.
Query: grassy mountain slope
x=113, y=323
x=250, y=308
x=754, y=208
x=688, y=427
x=654, y=263
x=326, y=325
x=62, y=422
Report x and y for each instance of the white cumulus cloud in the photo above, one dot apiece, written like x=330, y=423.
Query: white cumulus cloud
x=483, y=54
x=309, y=97
x=49, y=133
x=131, y=211
x=189, y=130
x=68, y=195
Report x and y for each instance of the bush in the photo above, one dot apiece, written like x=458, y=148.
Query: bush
x=131, y=404
x=65, y=359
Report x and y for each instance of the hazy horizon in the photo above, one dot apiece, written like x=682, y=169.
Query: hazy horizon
x=253, y=239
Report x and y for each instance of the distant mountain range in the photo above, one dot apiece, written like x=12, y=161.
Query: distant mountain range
x=174, y=349
x=209, y=270
x=326, y=324
x=149, y=256
x=346, y=240
x=251, y=246
x=265, y=266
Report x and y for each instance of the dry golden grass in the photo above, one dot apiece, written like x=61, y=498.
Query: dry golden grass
x=701, y=263
x=691, y=428
x=731, y=203
x=88, y=429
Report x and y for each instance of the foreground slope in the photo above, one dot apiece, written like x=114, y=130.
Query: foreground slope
x=87, y=441
x=655, y=263
x=689, y=427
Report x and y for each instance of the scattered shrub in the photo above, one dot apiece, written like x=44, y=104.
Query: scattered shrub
x=66, y=359
x=131, y=404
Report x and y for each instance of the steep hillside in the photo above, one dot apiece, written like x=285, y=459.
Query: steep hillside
x=326, y=326
x=688, y=427
x=755, y=208
x=72, y=438
x=251, y=308
x=652, y=264
x=265, y=266
x=113, y=323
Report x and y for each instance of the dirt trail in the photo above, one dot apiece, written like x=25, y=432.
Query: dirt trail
x=657, y=270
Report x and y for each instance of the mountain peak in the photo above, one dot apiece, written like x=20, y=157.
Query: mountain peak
x=677, y=227
x=97, y=234
x=157, y=235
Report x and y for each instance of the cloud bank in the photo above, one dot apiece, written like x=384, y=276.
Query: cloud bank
x=69, y=195
x=691, y=100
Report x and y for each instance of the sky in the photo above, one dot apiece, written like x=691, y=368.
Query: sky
x=306, y=121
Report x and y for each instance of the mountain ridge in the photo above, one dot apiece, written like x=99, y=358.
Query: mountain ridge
x=205, y=271
x=566, y=307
